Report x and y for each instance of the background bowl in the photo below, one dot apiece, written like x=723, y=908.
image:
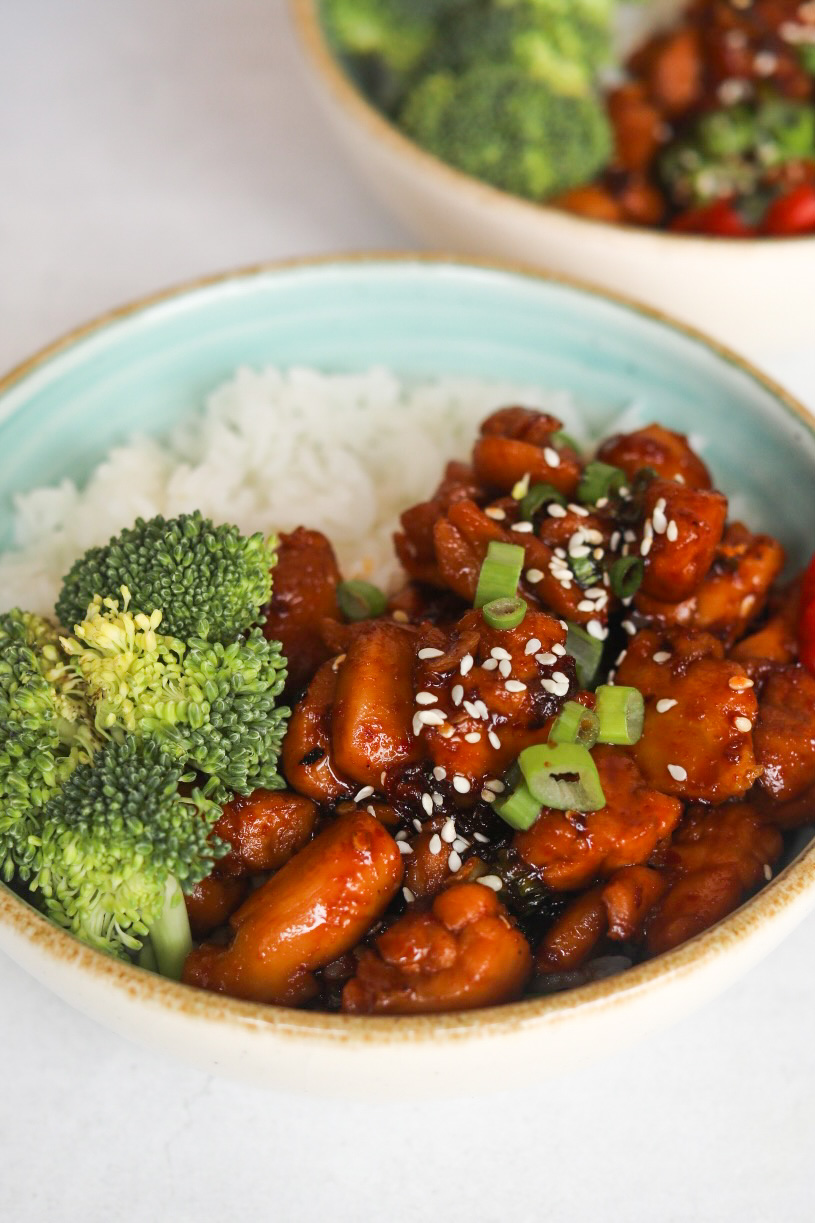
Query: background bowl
x=753, y=294
x=146, y=366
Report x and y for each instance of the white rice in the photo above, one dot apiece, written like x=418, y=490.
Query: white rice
x=272, y=449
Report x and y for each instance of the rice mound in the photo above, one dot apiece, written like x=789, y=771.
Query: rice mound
x=272, y=449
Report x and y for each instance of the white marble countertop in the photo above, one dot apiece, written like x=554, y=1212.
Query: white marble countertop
x=143, y=142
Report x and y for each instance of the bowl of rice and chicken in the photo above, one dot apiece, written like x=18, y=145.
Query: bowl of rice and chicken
x=432, y=664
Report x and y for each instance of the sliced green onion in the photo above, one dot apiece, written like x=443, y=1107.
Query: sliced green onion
x=538, y=495
x=562, y=438
x=599, y=480
x=360, y=600
x=500, y=573
x=586, y=652
x=521, y=487
x=621, y=712
x=585, y=570
x=575, y=724
x=626, y=576
x=563, y=776
x=504, y=613
x=518, y=808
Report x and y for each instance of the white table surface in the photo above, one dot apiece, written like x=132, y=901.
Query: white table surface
x=143, y=142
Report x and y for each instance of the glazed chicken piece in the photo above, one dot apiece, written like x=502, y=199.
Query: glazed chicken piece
x=415, y=544
x=716, y=857
x=700, y=708
x=316, y=908
x=785, y=734
x=518, y=442
x=629, y=897
x=637, y=125
x=464, y=953
x=570, y=849
x=212, y=902
x=681, y=532
x=574, y=936
x=306, y=757
x=733, y=593
x=777, y=639
x=264, y=829
x=667, y=453
x=304, y=593
x=672, y=68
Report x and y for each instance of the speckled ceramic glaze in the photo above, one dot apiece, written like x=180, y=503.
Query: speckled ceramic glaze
x=754, y=294
x=147, y=365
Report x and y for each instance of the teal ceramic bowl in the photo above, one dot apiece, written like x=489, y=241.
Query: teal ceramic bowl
x=144, y=367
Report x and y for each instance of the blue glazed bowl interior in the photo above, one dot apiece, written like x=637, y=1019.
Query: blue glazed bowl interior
x=145, y=369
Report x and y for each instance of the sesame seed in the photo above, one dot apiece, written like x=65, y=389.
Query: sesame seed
x=665, y=704
x=546, y=660
x=550, y=686
x=620, y=657
x=426, y=698
x=534, y=575
x=768, y=871
x=417, y=824
x=552, y=457
x=430, y=651
x=559, y=649
x=585, y=605
x=482, y=709
x=596, y=630
x=514, y=685
x=461, y=784
x=743, y=724
x=448, y=832
x=471, y=709
x=615, y=539
x=482, y=840
x=578, y=551
x=466, y=664
x=439, y=773
x=437, y=798
x=427, y=803
x=645, y=547
x=495, y=784
x=505, y=668
x=556, y=511
x=408, y=895
x=498, y=651
x=457, y=694
x=494, y=882
x=371, y=811
x=404, y=848
x=677, y=772
x=659, y=520
x=431, y=717
x=532, y=646
x=629, y=627
x=579, y=510
x=434, y=844
x=400, y=617
x=472, y=737
x=490, y=664
x=488, y=797
x=521, y=487
x=672, y=532
x=337, y=663
x=740, y=683
x=559, y=677
x=495, y=512
x=661, y=656
x=364, y=793
x=446, y=731
x=560, y=552
x=417, y=725
x=459, y=845
x=402, y=836
x=523, y=528
x=494, y=740
x=602, y=502
x=454, y=862
x=746, y=605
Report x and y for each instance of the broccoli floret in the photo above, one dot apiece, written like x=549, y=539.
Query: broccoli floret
x=116, y=844
x=496, y=123
x=729, y=151
x=209, y=581
x=398, y=32
x=561, y=44
x=45, y=727
x=206, y=704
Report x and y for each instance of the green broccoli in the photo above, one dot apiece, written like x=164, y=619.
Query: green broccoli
x=46, y=727
x=208, y=581
x=206, y=704
x=729, y=151
x=496, y=123
x=114, y=847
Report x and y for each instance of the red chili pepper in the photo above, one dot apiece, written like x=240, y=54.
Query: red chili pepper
x=806, y=622
x=720, y=219
x=793, y=213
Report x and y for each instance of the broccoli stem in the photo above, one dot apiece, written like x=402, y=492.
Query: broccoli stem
x=147, y=956
x=170, y=936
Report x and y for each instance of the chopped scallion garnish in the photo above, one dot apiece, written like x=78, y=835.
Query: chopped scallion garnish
x=563, y=776
x=626, y=576
x=538, y=495
x=621, y=712
x=586, y=572
x=504, y=613
x=575, y=724
x=360, y=600
x=518, y=807
x=599, y=480
x=586, y=652
x=562, y=438
x=500, y=573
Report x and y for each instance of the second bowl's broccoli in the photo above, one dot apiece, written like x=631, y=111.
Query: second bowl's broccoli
x=208, y=705
x=208, y=581
x=114, y=847
x=45, y=727
x=500, y=125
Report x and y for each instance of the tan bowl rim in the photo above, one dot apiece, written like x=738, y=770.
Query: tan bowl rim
x=790, y=886
x=312, y=39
